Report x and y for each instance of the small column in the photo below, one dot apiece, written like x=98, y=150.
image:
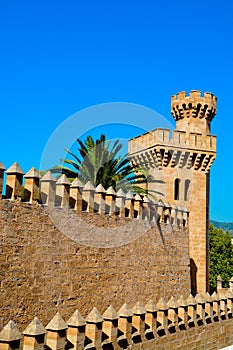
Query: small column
x=62, y=192
x=34, y=336
x=138, y=322
x=2, y=170
x=182, y=312
x=231, y=283
x=14, y=182
x=76, y=189
x=162, y=317
x=56, y=333
x=125, y=326
x=138, y=206
x=174, y=215
x=219, y=283
x=32, y=185
x=150, y=319
x=110, y=317
x=200, y=309
x=208, y=308
x=47, y=189
x=76, y=331
x=153, y=210
x=192, y=311
x=216, y=306
x=111, y=201
x=229, y=296
x=179, y=216
x=93, y=329
x=185, y=217
x=129, y=205
x=223, y=305
x=172, y=315
x=146, y=208
x=88, y=196
x=10, y=337
x=120, y=202
x=100, y=195
x=160, y=206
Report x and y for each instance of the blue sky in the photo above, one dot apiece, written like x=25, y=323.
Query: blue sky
x=58, y=57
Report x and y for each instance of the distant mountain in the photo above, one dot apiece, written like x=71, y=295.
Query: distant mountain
x=227, y=226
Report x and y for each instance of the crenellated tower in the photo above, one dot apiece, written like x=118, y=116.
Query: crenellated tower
x=180, y=163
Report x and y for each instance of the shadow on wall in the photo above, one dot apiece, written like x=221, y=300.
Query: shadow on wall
x=193, y=277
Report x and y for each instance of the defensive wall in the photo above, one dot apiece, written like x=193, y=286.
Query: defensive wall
x=44, y=269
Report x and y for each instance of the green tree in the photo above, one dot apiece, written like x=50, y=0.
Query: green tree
x=221, y=256
x=99, y=161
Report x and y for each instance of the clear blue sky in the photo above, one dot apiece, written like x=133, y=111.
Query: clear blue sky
x=58, y=57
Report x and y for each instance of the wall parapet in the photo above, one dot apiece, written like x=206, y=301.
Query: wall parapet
x=61, y=193
x=149, y=326
x=178, y=138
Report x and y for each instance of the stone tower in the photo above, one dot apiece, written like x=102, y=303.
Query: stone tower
x=180, y=164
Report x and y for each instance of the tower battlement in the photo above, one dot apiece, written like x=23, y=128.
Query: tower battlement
x=194, y=107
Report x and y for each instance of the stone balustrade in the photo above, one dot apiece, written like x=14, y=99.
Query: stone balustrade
x=140, y=327
x=61, y=193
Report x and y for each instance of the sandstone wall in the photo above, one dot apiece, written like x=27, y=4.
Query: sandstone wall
x=42, y=270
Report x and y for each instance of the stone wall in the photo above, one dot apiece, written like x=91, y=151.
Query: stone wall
x=43, y=271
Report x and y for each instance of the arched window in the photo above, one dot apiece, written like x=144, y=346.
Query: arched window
x=177, y=189
x=186, y=190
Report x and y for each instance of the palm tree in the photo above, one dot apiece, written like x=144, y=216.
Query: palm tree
x=100, y=162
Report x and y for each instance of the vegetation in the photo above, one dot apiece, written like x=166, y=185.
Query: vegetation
x=221, y=256
x=99, y=161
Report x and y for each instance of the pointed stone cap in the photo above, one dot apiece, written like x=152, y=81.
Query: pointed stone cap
x=167, y=205
x=222, y=295
x=56, y=324
x=150, y=306
x=146, y=199
x=200, y=299
x=76, y=320
x=48, y=177
x=191, y=300
x=94, y=316
x=35, y=328
x=215, y=296
x=137, y=197
x=88, y=186
x=230, y=280
x=208, y=298
x=2, y=167
x=139, y=309
x=125, y=311
x=229, y=294
x=120, y=193
x=76, y=183
x=100, y=189
x=182, y=302
x=129, y=195
x=10, y=332
x=161, y=305
x=219, y=278
x=63, y=180
x=111, y=191
x=172, y=303
x=110, y=314
x=160, y=203
x=32, y=174
x=15, y=169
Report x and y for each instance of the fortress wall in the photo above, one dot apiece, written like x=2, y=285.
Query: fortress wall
x=42, y=270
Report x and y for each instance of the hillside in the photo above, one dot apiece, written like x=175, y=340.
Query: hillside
x=227, y=226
